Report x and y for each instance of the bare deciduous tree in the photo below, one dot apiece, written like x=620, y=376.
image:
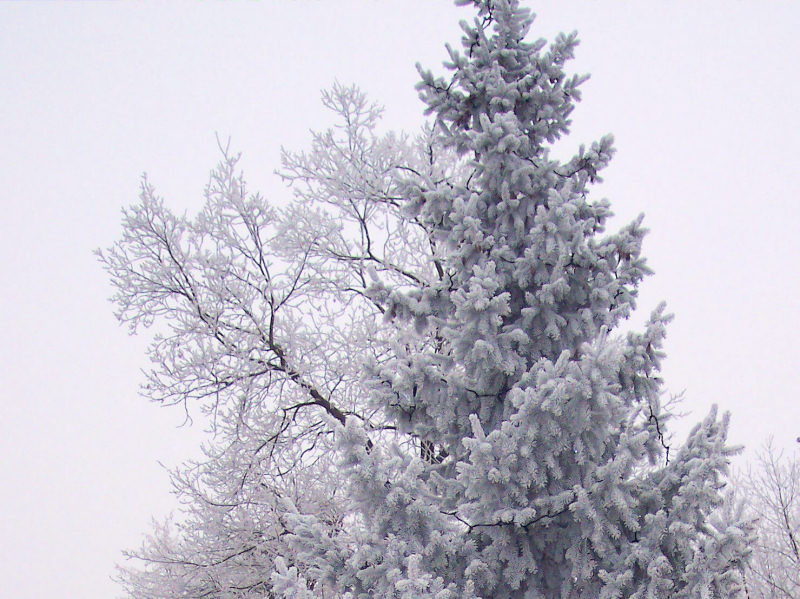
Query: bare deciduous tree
x=772, y=489
x=264, y=318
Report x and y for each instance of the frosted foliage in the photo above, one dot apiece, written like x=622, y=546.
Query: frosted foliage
x=415, y=371
x=771, y=489
x=262, y=320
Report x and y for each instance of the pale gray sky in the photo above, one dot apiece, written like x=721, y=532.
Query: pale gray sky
x=702, y=98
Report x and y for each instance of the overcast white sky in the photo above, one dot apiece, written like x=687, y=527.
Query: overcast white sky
x=702, y=99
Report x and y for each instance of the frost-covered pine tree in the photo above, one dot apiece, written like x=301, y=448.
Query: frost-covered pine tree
x=542, y=470
x=415, y=372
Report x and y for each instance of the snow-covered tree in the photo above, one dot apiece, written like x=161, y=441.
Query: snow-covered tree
x=771, y=490
x=263, y=323
x=435, y=325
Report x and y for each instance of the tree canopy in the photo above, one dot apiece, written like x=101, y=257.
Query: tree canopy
x=415, y=371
